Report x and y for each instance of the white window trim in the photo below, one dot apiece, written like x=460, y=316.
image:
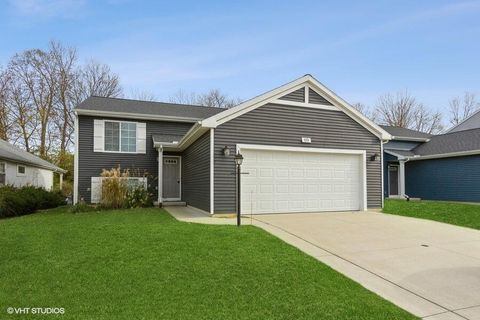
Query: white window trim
x=361, y=153
x=120, y=137
x=21, y=174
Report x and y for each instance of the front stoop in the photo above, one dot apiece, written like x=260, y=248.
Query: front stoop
x=174, y=203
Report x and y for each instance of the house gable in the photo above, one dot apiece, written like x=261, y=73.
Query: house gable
x=291, y=94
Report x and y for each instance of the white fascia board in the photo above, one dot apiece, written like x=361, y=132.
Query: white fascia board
x=193, y=134
x=273, y=95
x=306, y=105
x=410, y=139
x=348, y=109
x=445, y=155
x=128, y=115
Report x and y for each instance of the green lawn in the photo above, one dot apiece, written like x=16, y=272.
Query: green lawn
x=461, y=214
x=143, y=264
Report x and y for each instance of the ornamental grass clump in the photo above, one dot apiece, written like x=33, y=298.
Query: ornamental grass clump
x=114, y=188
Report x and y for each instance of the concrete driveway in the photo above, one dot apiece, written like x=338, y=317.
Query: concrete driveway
x=428, y=268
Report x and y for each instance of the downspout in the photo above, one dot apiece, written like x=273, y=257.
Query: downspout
x=402, y=171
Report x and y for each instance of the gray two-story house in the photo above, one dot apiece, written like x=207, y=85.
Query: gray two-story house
x=305, y=149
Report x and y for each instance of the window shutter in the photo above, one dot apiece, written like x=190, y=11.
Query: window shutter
x=96, y=190
x=98, y=135
x=141, y=137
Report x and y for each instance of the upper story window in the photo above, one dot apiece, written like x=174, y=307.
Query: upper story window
x=120, y=136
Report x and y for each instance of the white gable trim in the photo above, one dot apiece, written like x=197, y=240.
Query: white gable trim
x=273, y=95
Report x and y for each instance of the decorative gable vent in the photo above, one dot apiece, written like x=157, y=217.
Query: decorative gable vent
x=315, y=98
x=297, y=96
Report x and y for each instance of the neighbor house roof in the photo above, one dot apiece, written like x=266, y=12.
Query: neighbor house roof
x=14, y=154
x=399, y=133
x=453, y=142
x=145, y=109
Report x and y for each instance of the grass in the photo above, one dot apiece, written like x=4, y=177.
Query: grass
x=143, y=264
x=460, y=214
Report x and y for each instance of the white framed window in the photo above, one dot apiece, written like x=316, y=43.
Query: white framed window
x=96, y=186
x=21, y=170
x=3, y=169
x=120, y=136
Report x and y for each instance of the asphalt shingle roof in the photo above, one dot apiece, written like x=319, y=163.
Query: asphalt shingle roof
x=467, y=140
x=405, y=133
x=148, y=108
x=12, y=153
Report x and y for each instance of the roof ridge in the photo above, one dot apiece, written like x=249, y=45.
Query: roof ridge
x=149, y=101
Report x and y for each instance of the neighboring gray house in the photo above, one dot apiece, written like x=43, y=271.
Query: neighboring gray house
x=305, y=149
x=435, y=167
x=21, y=168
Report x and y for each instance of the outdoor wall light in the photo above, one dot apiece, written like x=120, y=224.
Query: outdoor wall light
x=374, y=157
x=226, y=151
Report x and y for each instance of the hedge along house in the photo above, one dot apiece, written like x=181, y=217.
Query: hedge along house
x=434, y=167
x=20, y=168
x=305, y=149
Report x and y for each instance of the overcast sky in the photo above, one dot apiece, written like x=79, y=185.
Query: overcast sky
x=359, y=49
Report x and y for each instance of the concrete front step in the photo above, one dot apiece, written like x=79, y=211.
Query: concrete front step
x=174, y=203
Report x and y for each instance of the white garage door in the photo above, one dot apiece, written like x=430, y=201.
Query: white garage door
x=299, y=181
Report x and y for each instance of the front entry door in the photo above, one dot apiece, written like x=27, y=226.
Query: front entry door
x=393, y=179
x=171, y=178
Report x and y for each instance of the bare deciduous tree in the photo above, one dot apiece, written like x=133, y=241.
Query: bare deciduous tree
x=97, y=79
x=142, y=95
x=213, y=98
x=5, y=113
x=42, y=89
x=365, y=110
x=403, y=110
x=460, y=109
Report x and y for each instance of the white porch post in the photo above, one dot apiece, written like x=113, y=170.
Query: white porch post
x=401, y=176
x=61, y=181
x=160, y=175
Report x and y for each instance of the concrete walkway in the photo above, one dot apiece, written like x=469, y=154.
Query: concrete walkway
x=430, y=269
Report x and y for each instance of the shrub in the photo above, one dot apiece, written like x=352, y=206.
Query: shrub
x=114, y=188
x=26, y=200
x=138, y=197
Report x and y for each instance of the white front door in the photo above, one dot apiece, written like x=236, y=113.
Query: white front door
x=296, y=181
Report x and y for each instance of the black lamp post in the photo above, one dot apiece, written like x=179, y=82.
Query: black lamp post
x=238, y=163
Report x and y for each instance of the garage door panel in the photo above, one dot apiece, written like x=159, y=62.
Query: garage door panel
x=288, y=181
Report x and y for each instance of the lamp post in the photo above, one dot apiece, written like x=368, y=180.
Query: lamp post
x=238, y=163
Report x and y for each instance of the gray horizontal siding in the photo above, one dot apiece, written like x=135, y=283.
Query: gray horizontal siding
x=297, y=96
x=314, y=97
x=91, y=163
x=196, y=173
x=285, y=126
x=454, y=179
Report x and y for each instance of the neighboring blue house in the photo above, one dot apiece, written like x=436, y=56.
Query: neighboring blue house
x=435, y=167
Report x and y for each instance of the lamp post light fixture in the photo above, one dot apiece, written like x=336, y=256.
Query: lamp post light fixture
x=238, y=163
